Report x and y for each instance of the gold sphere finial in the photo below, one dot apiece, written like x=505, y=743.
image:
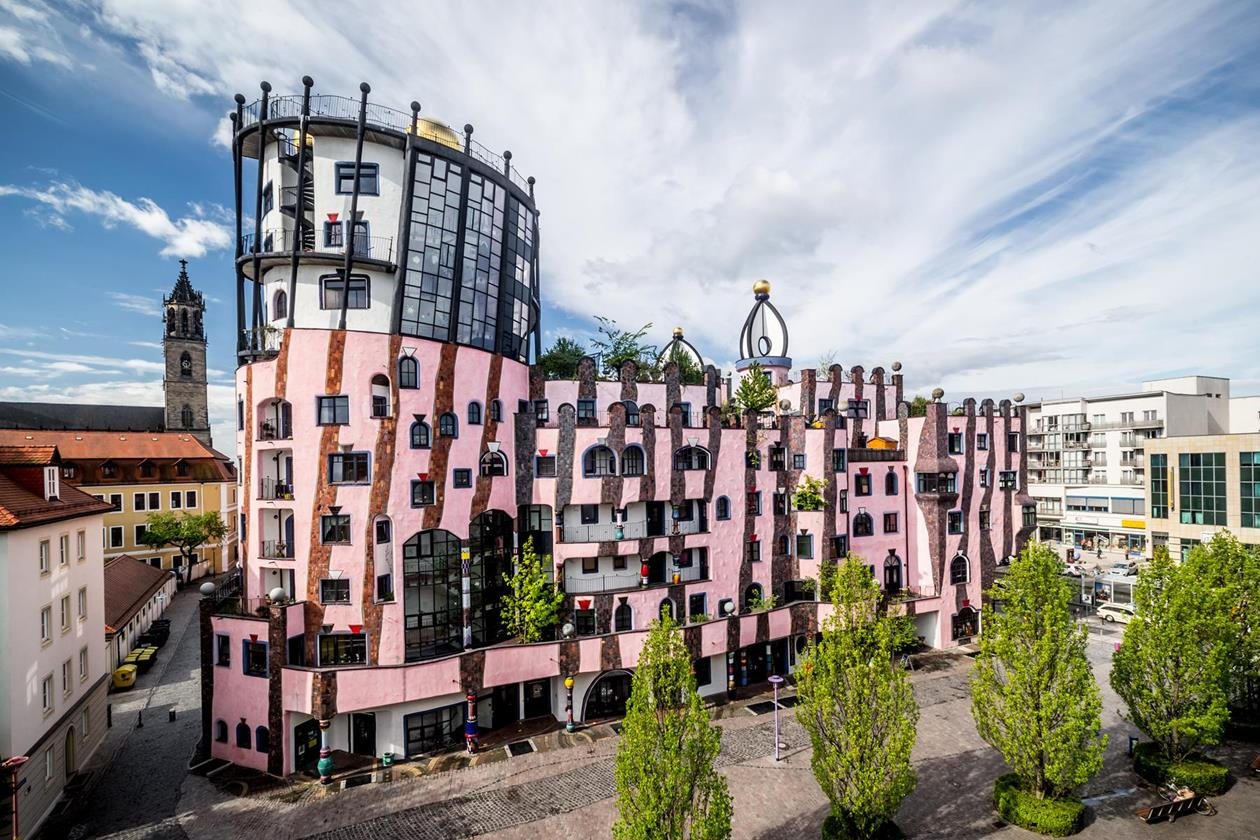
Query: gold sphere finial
x=761, y=287
x=678, y=332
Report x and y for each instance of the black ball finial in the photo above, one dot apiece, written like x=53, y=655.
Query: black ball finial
x=307, y=81
x=468, y=128
x=415, y=107
x=364, y=87
x=232, y=117
x=530, y=180
x=240, y=98
x=507, y=155
x=266, y=86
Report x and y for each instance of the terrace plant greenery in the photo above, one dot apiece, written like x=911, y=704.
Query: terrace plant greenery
x=755, y=391
x=1033, y=693
x=532, y=603
x=1171, y=669
x=616, y=346
x=667, y=785
x=184, y=531
x=809, y=493
x=762, y=602
x=859, y=710
x=560, y=360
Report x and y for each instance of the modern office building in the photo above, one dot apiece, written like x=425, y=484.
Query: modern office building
x=53, y=664
x=1201, y=484
x=1087, y=456
x=398, y=449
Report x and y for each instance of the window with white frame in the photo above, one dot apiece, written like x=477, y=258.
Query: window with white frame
x=80, y=546
x=115, y=536
x=65, y=613
x=45, y=557
x=83, y=603
x=63, y=546
x=46, y=693
x=83, y=664
x=67, y=677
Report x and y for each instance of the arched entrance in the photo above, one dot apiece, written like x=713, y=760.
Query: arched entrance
x=72, y=765
x=607, y=696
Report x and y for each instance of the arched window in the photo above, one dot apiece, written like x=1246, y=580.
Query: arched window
x=785, y=545
x=959, y=569
x=494, y=463
x=632, y=460
x=474, y=413
x=622, y=618
x=448, y=425
x=242, y=735
x=892, y=572
x=183, y=322
x=691, y=458
x=863, y=525
x=752, y=596
x=186, y=416
x=380, y=395
x=280, y=308
x=632, y=412
x=890, y=483
x=408, y=372
x=496, y=411
x=220, y=731
x=722, y=509
x=185, y=364
x=262, y=739
x=599, y=461
x=421, y=436
x=666, y=609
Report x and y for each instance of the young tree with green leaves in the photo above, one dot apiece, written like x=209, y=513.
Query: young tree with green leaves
x=560, y=360
x=690, y=372
x=616, y=345
x=918, y=406
x=1033, y=694
x=1170, y=669
x=186, y=532
x=532, y=602
x=667, y=786
x=858, y=708
x=755, y=391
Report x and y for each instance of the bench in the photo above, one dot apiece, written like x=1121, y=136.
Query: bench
x=1169, y=810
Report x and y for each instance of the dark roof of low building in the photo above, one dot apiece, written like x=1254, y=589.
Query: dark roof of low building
x=129, y=584
x=22, y=501
x=81, y=417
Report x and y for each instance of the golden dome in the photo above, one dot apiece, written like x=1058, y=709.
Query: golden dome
x=761, y=287
x=438, y=132
x=678, y=332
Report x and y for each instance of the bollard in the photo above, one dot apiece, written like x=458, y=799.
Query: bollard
x=109, y=715
x=171, y=716
x=140, y=719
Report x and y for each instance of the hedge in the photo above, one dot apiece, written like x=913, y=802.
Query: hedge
x=833, y=828
x=1199, y=773
x=1055, y=817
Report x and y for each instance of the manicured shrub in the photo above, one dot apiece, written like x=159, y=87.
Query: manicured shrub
x=834, y=828
x=1055, y=817
x=1199, y=773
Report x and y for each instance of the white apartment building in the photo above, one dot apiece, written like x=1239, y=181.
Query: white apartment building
x=1087, y=455
x=53, y=666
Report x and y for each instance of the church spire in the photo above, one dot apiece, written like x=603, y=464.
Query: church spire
x=184, y=292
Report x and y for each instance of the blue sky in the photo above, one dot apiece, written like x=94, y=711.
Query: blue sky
x=1004, y=197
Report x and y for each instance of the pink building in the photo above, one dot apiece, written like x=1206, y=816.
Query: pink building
x=397, y=449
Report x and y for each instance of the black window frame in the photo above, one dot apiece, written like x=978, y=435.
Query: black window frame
x=359, y=466
x=334, y=529
x=448, y=425
x=545, y=466
x=420, y=435
x=344, y=177
x=461, y=477
x=408, y=373
x=722, y=508
x=474, y=413
x=863, y=485
x=334, y=590
x=360, y=291
x=423, y=493
x=338, y=406
x=839, y=460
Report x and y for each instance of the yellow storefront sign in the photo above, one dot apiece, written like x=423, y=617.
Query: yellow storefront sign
x=1136, y=524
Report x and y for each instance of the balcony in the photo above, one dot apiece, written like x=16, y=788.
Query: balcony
x=1035, y=447
x=284, y=241
x=1135, y=423
x=271, y=489
x=263, y=341
x=576, y=583
x=606, y=531
x=275, y=550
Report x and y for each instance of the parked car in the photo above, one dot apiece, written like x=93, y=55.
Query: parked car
x=1126, y=568
x=1112, y=613
x=1075, y=568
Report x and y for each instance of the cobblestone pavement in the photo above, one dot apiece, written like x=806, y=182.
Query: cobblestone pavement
x=139, y=769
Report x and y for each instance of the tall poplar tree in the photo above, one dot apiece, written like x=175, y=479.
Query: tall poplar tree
x=1033, y=694
x=1171, y=669
x=859, y=709
x=667, y=786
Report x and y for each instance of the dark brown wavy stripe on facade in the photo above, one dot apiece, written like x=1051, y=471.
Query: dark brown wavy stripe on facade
x=489, y=432
x=323, y=695
x=603, y=612
x=282, y=364
x=780, y=561
x=693, y=641
x=628, y=375
x=647, y=482
x=586, y=378
x=809, y=385
x=836, y=376
x=749, y=519
x=858, y=376
x=378, y=504
x=277, y=646
x=830, y=493
x=611, y=486
x=677, y=480
x=877, y=382
x=712, y=384
x=1008, y=496
x=325, y=495
x=988, y=562
x=472, y=671
x=968, y=490
x=763, y=628
x=610, y=653
x=566, y=418
x=439, y=455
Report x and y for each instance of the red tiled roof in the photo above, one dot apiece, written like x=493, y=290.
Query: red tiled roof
x=22, y=501
x=75, y=446
x=129, y=584
x=39, y=455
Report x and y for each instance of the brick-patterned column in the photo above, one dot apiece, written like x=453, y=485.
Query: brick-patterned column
x=277, y=645
x=325, y=496
x=440, y=451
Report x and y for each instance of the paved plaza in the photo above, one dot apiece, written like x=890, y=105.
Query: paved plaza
x=146, y=792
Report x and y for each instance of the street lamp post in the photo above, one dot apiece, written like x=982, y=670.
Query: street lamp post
x=776, y=681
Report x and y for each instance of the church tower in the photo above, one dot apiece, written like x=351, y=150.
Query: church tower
x=184, y=347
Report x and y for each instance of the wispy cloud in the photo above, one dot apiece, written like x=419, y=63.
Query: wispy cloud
x=83, y=362
x=186, y=236
x=143, y=304
x=27, y=35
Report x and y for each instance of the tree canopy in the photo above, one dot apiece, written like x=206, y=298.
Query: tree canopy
x=560, y=360
x=1033, y=694
x=532, y=603
x=184, y=531
x=755, y=391
x=858, y=707
x=667, y=786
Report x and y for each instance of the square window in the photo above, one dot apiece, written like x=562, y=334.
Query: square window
x=890, y=523
x=348, y=468
x=255, y=658
x=333, y=288
x=545, y=466
x=584, y=622
x=839, y=460
x=542, y=411
x=798, y=461
x=369, y=178
x=590, y=514
x=463, y=477
x=333, y=410
x=862, y=484
x=955, y=443
x=335, y=528
x=586, y=409
x=334, y=591
x=982, y=441
x=422, y=493
x=590, y=565
x=955, y=522
x=754, y=551
x=805, y=545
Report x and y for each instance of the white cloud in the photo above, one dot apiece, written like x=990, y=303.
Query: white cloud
x=188, y=236
x=143, y=304
x=27, y=35
x=93, y=363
